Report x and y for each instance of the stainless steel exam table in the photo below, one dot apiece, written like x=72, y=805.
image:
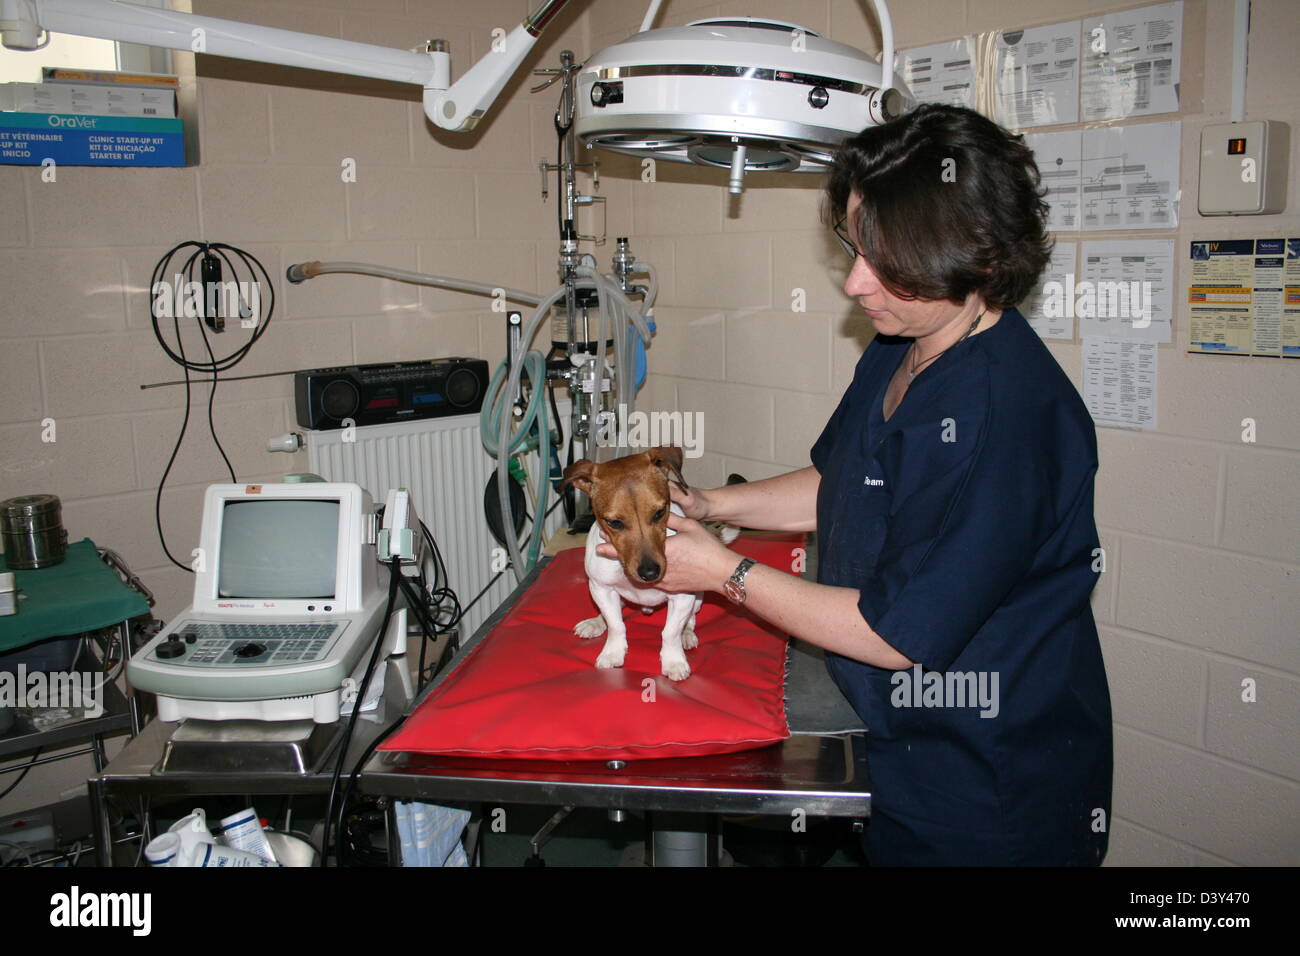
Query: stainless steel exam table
x=820, y=771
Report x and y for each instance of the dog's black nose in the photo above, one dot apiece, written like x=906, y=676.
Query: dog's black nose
x=648, y=570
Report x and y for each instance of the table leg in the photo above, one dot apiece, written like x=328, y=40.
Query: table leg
x=393, y=838
x=683, y=839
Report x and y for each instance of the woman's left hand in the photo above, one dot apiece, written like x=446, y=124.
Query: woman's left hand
x=696, y=559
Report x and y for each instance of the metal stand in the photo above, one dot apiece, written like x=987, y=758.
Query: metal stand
x=263, y=759
x=248, y=746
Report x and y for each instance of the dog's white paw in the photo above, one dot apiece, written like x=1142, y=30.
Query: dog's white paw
x=591, y=627
x=675, y=668
x=611, y=658
x=690, y=640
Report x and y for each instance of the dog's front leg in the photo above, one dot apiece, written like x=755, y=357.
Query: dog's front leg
x=689, y=640
x=611, y=609
x=672, y=658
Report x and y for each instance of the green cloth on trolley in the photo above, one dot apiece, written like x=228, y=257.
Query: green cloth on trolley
x=80, y=593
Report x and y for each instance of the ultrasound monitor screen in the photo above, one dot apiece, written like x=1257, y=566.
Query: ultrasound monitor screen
x=283, y=548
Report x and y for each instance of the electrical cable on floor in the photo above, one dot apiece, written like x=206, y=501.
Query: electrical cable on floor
x=208, y=258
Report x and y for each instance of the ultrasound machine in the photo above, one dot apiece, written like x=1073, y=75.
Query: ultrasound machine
x=287, y=607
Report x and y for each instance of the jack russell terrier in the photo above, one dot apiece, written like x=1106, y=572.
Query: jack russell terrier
x=629, y=498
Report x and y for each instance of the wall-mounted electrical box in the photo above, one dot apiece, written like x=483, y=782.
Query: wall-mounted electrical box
x=1244, y=168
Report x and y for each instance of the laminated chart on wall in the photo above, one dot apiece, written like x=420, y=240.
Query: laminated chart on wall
x=1119, y=382
x=1059, y=157
x=940, y=72
x=1131, y=63
x=1036, y=76
x=1126, y=289
x=1050, y=310
x=1244, y=297
x=1130, y=176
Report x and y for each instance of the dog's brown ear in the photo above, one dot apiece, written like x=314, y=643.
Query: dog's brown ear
x=581, y=473
x=668, y=459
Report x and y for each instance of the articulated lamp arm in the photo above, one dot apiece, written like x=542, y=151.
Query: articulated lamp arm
x=457, y=106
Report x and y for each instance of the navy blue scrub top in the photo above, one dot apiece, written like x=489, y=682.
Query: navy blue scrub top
x=966, y=522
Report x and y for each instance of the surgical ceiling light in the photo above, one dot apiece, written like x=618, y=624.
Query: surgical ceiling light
x=741, y=94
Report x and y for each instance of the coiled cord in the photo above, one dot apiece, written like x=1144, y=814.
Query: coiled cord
x=179, y=301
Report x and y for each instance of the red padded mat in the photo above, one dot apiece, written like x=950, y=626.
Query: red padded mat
x=531, y=689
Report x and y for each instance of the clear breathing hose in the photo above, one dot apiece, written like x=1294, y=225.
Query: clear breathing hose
x=492, y=432
x=498, y=416
x=653, y=291
x=615, y=310
x=497, y=409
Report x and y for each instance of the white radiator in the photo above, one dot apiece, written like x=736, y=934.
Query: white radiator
x=443, y=464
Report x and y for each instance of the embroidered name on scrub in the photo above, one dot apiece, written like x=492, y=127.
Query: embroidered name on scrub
x=874, y=482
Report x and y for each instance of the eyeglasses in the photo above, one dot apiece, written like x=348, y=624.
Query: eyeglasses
x=841, y=233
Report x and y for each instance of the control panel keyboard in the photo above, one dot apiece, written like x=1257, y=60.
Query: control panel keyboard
x=212, y=644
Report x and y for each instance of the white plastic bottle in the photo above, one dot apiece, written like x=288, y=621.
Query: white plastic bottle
x=165, y=850
x=168, y=849
x=192, y=830
x=243, y=831
x=212, y=854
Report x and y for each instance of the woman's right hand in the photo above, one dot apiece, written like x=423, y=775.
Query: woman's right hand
x=784, y=503
x=694, y=503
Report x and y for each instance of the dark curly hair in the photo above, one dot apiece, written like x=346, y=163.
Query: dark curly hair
x=952, y=203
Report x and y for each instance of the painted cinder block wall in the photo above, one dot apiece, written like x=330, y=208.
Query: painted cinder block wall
x=1200, y=528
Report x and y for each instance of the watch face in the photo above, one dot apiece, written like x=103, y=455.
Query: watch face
x=733, y=592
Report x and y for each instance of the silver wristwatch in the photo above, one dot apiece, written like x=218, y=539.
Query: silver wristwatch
x=734, y=586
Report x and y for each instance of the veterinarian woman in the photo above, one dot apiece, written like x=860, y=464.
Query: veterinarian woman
x=952, y=496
